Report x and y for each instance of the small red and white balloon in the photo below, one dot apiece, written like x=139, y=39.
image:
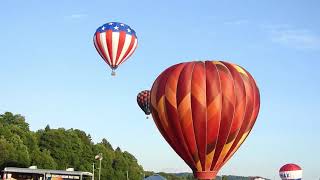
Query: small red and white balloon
x=290, y=172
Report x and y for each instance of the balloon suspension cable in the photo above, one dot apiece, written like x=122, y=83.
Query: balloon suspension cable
x=113, y=73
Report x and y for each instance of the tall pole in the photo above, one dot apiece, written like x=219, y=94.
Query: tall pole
x=99, y=157
x=127, y=176
x=100, y=167
x=92, y=171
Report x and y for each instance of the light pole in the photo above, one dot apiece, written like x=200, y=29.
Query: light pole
x=99, y=157
x=92, y=171
x=100, y=167
x=127, y=175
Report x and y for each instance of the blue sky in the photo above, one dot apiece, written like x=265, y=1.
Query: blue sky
x=51, y=73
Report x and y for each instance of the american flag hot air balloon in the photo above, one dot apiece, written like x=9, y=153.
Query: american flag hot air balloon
x=115, y=42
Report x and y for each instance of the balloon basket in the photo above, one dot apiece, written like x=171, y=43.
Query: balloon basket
x=147, y=117
x=205, y=175
x=113, y=73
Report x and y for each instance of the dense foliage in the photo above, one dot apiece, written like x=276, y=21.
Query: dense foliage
x=60, y=149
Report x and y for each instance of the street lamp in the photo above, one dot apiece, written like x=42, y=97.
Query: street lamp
x=99, y=157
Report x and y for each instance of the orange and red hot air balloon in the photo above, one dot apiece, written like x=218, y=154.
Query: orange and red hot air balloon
x=205, y=111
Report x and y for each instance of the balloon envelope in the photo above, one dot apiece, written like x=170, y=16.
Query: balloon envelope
x=115, y=42
x=205, y=110
x=290, y=171
x=143, y=100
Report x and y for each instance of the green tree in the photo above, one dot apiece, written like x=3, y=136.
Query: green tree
x=13, y=153
x=18, y=120
x=107, y=171
x=64, y=146
x=43, y=160
x=6, y=152
x=106, y=144
x=135, y=171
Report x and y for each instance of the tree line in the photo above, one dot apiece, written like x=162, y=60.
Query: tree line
x=60, y=149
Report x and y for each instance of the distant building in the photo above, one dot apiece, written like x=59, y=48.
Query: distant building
x=155, y=177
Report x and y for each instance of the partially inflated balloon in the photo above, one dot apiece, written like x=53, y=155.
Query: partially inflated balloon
x=115, y=42
x=205, y=110
x=143, y=100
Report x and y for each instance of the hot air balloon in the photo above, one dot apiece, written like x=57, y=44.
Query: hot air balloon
x=143, y=100
x=290, y=171
x=115, y=42
x=205, y=111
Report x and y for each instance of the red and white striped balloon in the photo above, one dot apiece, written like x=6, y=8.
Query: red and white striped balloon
x=115, y=42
